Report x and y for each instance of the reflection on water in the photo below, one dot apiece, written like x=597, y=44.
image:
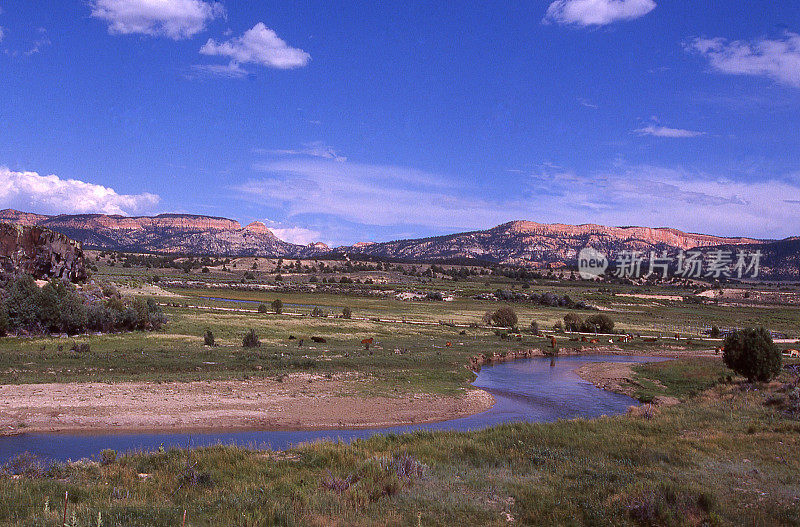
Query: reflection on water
x=534, y=390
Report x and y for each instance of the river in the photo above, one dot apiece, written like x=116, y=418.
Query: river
x=533, y=390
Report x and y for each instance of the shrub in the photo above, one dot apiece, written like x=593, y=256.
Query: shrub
x=99, y=318
x=73, y=313
x=250, y=340
x=347, y=312
x=3, y=320
x=262, y=308
x=208, y=338
x=277, y=306
x=318, y=312
x=534, y=326
x=504, y=317
x=715, y=333
x=751, y=353
x=81, y=347
x=572, y=322
x=108, y=456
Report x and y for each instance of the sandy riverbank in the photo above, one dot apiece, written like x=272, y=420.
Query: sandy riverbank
x=299, y=402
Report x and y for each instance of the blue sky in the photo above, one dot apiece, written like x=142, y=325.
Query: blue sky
x=382, y=120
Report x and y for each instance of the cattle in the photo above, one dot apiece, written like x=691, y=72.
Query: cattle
x=367, y=342
x=553, y=342
x=791, y=353
x=593, y=341
x=320, y=340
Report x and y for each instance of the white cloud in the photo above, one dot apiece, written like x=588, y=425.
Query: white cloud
x=389, y=197
x=258, y=45
x=596, y=12
x=378, y=195
x=313, y=149
x=176, y=19
x=293, y=234
x=29, y=190
x=663, y=131
x=230, y=71
x=665, y=197
x=777, y=59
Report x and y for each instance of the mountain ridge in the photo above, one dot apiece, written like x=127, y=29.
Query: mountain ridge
x=520, y=242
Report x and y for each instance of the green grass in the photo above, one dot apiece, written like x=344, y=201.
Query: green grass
x=680, y=378
x=701, y=463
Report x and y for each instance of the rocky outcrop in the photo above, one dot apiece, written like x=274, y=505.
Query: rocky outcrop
x=40, y=252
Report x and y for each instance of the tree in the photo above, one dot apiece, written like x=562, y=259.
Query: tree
x=535, y=327
x=250, y=340
x=262, y=308
x=751, y=353
x=347, y=312
x=715, y=333
x=277, y=306
x=504, y=317
x=600, y=323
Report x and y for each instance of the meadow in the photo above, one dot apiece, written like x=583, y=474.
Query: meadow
x=724, y=456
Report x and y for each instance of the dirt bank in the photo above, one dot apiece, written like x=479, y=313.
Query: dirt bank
x=299, y=402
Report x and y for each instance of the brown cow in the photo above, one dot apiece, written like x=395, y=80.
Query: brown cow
x=553, y=342
x=367, y=342
x=318, y=339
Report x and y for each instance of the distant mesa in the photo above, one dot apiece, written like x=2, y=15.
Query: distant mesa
x=524, y=243
x=258, y=227
x=318, y=246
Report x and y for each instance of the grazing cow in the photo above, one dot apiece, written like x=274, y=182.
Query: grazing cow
x=320, y=340
x=367, y=342
x=593, y=341
x=553, y=342
x=584, y=339
x=792, y=353
x=448, y=344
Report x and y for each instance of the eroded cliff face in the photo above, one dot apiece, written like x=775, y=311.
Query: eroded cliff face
x=41, y=253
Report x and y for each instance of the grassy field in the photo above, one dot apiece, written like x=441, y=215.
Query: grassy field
x=703, y=462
